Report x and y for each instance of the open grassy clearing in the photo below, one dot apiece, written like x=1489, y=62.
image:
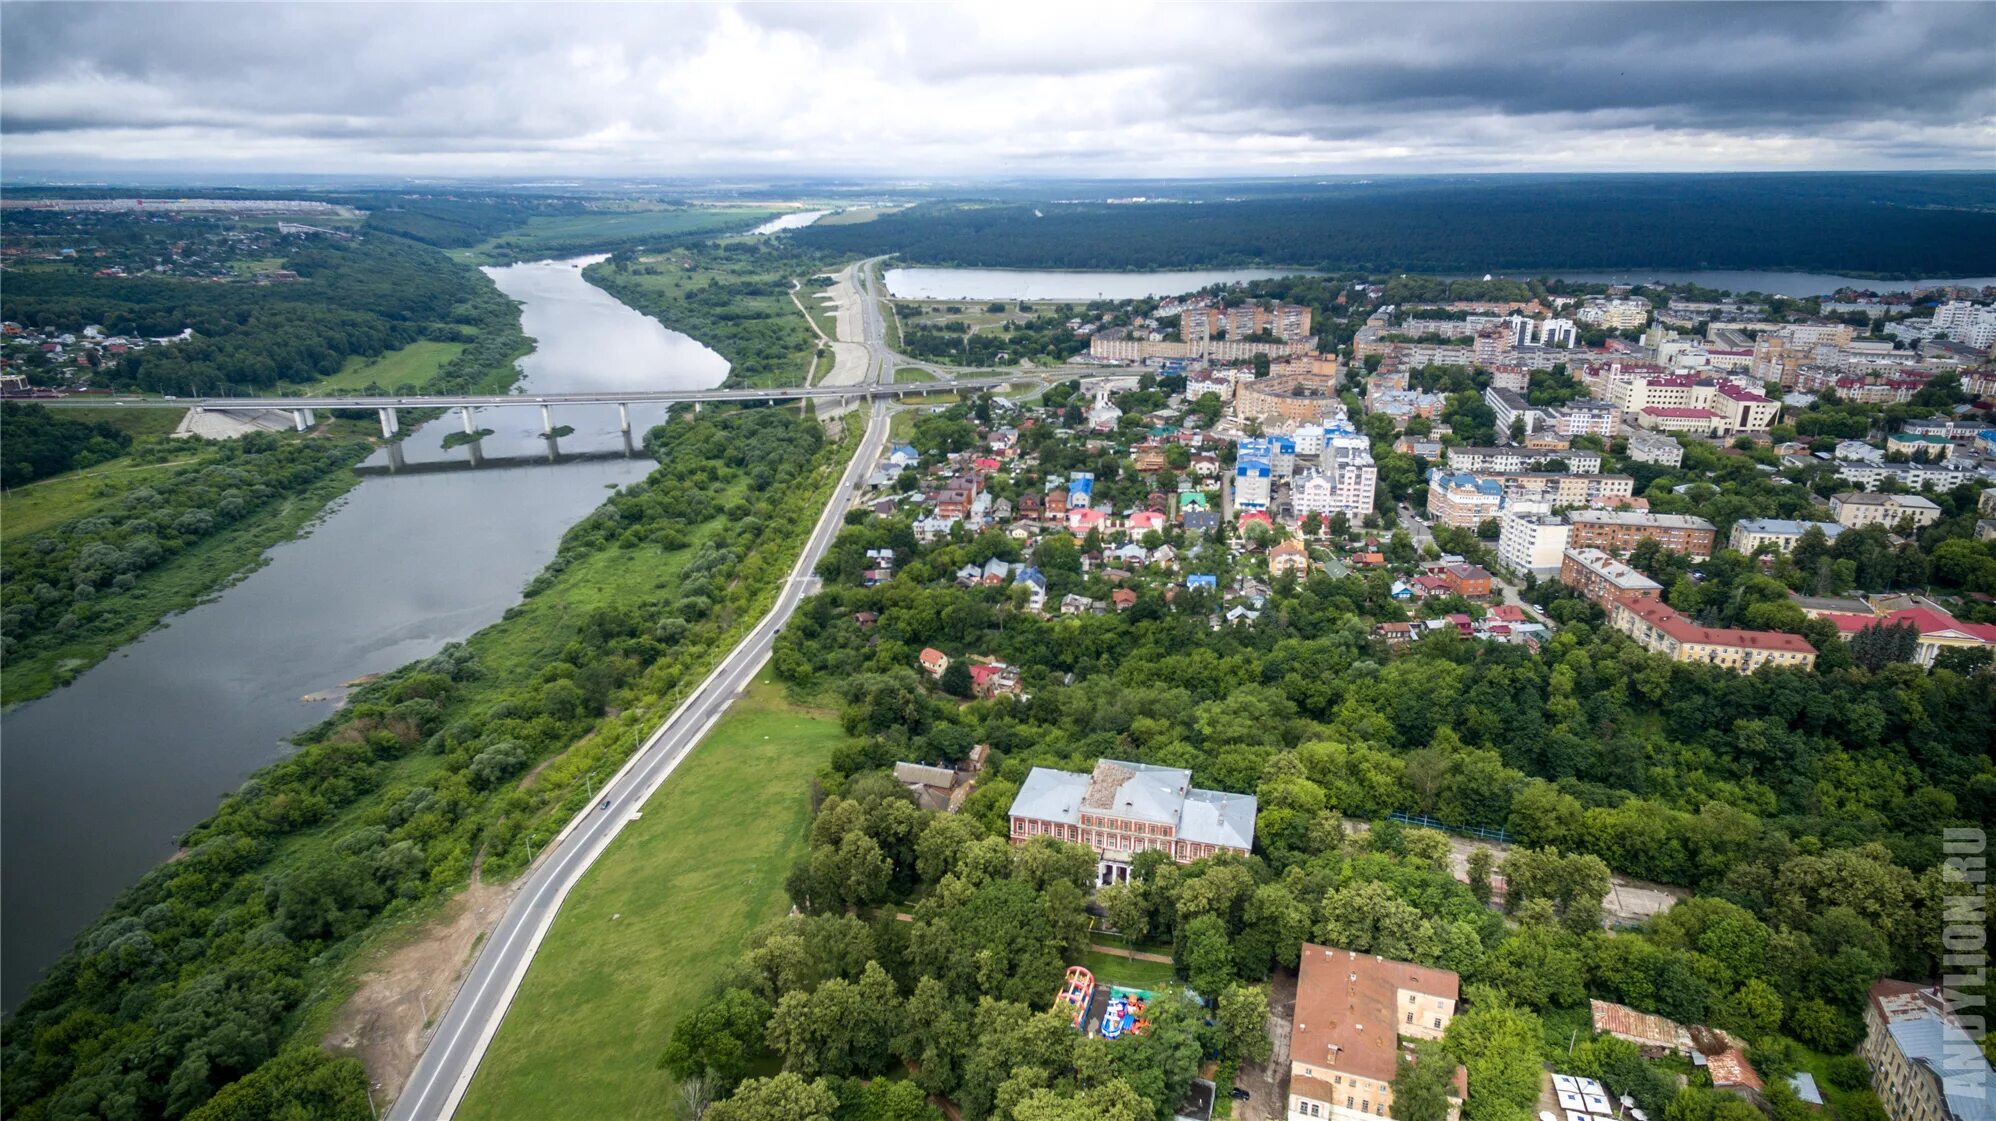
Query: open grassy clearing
x=1128, y=972
x=856, y=215
x=28, y=510
x=658, y=920
x=412, y=365
x=139, y=422
x=912, y=373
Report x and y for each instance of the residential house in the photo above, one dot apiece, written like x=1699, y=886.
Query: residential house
x=1924, y=1065
x=934, y=662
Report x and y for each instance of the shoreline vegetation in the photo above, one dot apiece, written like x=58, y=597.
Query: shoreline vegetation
x=238, y=950
x=734, y=295
x=110, y=571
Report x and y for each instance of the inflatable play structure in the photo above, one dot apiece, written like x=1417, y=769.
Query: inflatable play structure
x=1075, y=993
x=1125, y=1012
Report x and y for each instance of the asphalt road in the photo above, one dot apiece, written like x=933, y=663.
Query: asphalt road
x=451, y=1059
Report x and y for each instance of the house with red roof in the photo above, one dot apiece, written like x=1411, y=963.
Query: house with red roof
x=1938, y=630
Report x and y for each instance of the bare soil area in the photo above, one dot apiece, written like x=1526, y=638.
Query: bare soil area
x=387, y=1021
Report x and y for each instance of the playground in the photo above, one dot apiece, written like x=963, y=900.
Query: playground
x=1110, y=1011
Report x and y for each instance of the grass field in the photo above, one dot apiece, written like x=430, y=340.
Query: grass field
x=912, y=373
x=571, y=233
x=27, y=510
x=412, y=365
x=656, y=921
x=139, y=422
x=1128, y=972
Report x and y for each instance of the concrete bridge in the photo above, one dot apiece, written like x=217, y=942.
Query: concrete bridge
x=302, y=409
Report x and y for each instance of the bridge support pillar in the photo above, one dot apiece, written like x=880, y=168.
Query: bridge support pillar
x=301, y=418
x=624, y=417
x=547, y=421
x=468, y=429
x=390, y=423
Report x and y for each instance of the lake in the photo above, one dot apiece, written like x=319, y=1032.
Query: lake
x=99, y=779
x=1054, y=284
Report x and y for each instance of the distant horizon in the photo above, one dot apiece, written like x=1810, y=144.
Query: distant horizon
x=208, y=178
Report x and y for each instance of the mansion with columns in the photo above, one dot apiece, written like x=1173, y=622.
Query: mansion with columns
x=1122, y=809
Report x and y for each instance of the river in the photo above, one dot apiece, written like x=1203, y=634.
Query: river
x=795, y=221
x=1053, y=284
x=97, y=780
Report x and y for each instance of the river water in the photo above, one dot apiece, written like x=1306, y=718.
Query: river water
x=795, y=221
x=1052, y=284
x=98, y=779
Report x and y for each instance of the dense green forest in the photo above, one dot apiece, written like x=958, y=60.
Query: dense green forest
x=38, y=443
x=360, y=297
x=1804, y=809
x=1886, y=225
x=455, y=220
x=200, y=975
x=733, y=296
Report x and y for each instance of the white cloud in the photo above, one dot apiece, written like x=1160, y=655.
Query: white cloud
x=935, y=90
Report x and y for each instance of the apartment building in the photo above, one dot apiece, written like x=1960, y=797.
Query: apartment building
x=1251, y=484
x=1352, y=1010
x=1660, y=629
x=1511, y=460
x=1532, y=542
x=1618, y=531
x=1585, y=417
x=1614, y=315
x=1559, y=489
x=1687, y=403
x=1646, y=447
x=1122, y=809
x=1924, y=1066
x=1510, y=405
x=1463, y=501
x=1974, y=324
x=1751, y=533
x=1604, y=579
x=1855, y=509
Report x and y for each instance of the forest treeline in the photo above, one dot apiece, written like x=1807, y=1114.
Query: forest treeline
x=355, y=298
x=36, y=443
x=1846, y=224
x=182, y=999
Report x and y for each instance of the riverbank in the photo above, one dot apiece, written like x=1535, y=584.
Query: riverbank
x=392, y=801
x=734, y=296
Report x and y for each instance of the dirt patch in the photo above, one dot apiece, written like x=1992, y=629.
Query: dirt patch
x=386, y=1022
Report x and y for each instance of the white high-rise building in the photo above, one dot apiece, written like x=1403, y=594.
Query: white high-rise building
x=1974, y=324
x=1530, y=539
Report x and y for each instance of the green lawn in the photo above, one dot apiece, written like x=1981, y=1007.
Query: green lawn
x=912, y=373
x=27, y=510
x=1131, y=974
x=412, y=365
x=138, y=422
x=658, y=919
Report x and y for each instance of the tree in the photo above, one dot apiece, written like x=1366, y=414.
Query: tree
x=785, y=1097
x=1500, y=1045
x=1243, y=1019
x=1481, y=861
x=1422, y=1084
x=719, y=1040
x=1205, y=955
x=301, y=1082
x=956, y=678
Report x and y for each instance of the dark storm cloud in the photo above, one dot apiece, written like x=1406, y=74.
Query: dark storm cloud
x=933, y=89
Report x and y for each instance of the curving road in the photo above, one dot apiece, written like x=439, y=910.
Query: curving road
x=451, y=1059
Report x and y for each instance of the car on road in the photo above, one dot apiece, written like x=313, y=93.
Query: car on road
x=604, y=804
x=1238, y=1094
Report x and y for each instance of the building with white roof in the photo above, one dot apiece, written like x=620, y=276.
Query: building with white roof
x=1122, y=809
x=1925, y=1067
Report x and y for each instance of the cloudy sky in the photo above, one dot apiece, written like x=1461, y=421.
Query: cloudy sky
x=1011, y=89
